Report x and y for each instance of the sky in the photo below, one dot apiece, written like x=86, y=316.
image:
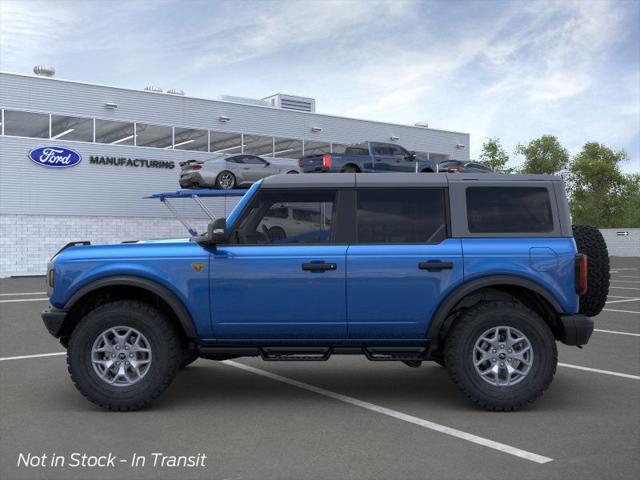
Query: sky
x=509, y=69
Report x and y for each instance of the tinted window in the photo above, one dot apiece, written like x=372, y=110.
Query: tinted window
x=509, y=210
x=236, y=159
x=405, y=216
x=115, y=133
x=268, y=222
x=26, y=124
x=253, y=160
x=157, y=136
x=71, y=128
x=358, y=149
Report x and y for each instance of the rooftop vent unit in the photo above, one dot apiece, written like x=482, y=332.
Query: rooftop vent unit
x=175, y=91
x=244, y=100
x=153, y=88
x=421, y=124
x=44, y=71
x=291, y=102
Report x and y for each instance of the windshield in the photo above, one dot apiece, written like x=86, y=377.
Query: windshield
x=242, y=203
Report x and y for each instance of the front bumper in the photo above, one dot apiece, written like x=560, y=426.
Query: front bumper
x=53, y=319
x=575, y=329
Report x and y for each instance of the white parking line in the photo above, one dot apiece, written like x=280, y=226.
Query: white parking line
x=485, y=442
x=623, y=288
x=625, y=281
x=21, y=293
x=24, y=300
x=628, y=276
x=616, y=332
x=39, y=355
x=596, y=370
x=622, y=301
x=619, y=311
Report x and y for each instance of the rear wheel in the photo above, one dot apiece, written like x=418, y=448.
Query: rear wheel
x=501, y=355
x=225, y=180
x=590, y=242
x=277, y=234
x=350, y=169
x=292, y=172
x=123, y=354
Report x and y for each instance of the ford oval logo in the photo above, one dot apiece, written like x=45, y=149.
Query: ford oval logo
x=55, y=157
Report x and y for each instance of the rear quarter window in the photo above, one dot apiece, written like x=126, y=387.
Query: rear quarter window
x=509, y=210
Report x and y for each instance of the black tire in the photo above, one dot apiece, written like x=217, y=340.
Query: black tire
x=164, y=342
x=277, y=234
x=292, y=172
x=189, y=355
x=459, y=353
x=350, y=169
x=221, y=184
x=589, y=241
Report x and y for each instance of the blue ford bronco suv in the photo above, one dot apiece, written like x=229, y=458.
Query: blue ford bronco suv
x=481, y=273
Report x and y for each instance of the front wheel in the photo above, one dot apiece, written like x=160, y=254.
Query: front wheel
x=123, y=354
x=501, y=355
x=225, y=180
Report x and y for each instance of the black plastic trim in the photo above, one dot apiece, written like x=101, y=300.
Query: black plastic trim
x=576, y=329
x=462, y=291
x=184, y=317
x=53, y=319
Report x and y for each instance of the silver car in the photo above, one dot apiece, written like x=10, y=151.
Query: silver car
x=231, y=171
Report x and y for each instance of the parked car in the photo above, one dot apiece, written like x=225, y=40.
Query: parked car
x=368, y=157
x=481, y=273
x=462, y=166
x=230, y=171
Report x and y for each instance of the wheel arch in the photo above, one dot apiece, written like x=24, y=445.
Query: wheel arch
x=525, y=291
x=354, y=165
x=128, y=286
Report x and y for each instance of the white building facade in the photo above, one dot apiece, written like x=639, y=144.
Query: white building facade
x=130, y=144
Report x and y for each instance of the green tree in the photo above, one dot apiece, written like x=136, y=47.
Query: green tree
x=494, y=156
x=543, y=155
x=601, y=195
x=630, y=217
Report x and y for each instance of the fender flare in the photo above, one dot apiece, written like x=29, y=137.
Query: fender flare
x=465, y=289
x=178, y=307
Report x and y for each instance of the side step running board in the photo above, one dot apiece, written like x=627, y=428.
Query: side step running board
x=394, y=354
x=293, y=354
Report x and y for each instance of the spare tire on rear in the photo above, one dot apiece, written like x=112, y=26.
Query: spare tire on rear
x=590, y=242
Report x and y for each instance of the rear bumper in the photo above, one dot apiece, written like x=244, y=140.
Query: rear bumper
x=576, y=329
x=54, y=320
x=192, y=179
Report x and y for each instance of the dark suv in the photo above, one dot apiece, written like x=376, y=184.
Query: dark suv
x=481, y=273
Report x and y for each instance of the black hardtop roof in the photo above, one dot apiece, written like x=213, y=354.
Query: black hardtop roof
x=320, y=180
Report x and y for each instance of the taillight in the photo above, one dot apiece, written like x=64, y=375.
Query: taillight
x=299, y=162
x=582, y=268
x=326, y=161
x=196, y=167
x=455, y=170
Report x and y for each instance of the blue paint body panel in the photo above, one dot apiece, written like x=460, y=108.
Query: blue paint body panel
x=261, y=292
x=167, y=263
x=389, y=297
x=548, y=262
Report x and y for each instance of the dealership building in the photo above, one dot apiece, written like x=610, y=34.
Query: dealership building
x=129, y=144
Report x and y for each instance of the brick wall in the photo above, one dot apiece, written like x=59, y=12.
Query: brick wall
x=27, y=242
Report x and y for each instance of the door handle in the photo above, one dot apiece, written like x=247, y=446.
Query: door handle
x=319, y=266
x=435, y=265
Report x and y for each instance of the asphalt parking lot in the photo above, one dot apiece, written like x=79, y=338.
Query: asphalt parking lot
x=346, y=418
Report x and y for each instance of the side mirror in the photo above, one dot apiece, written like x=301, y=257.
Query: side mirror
x=216, y=233
x=411, y=156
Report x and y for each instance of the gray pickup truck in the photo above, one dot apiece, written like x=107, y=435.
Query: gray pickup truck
x=368, y=157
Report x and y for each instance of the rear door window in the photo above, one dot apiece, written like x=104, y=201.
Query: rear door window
x=509, y=210
x=401, y=216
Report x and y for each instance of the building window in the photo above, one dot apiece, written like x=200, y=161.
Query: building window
x=115, y=133
x=338, y=148
x=230, y=143
x=191, y=139
x=258, y=145
x=71, y=128
x=509, y=210
x=26, y=124
x=156, y=136
x=287, y=148
x=316, y=148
